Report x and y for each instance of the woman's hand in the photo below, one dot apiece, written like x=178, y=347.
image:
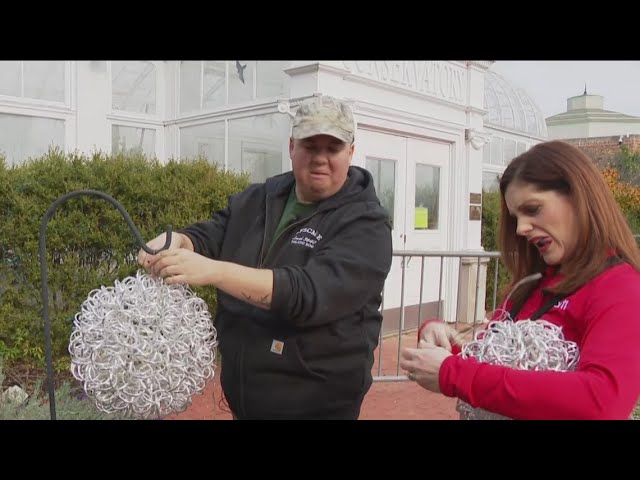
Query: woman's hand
x=423, y=364
x=438, y=333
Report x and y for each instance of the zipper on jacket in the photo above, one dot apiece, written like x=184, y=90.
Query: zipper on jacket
x=302, y=220
x=264, y=236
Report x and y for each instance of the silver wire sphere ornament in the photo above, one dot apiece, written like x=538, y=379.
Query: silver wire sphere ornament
x=522, y=345
x=143, y=348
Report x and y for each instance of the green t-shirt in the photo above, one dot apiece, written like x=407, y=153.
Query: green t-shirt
x=293, y=210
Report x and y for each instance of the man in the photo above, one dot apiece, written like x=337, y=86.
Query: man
x=299, y=263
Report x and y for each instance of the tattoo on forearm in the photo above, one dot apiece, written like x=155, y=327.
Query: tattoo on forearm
x=263, y=301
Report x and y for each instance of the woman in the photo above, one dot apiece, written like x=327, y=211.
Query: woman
x=559, y=219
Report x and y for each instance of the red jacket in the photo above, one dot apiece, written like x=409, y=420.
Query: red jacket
x=603, y=318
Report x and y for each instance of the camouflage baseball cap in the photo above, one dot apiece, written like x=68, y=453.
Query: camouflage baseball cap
x=324, y=116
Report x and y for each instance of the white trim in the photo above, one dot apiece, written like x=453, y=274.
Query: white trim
x=20, y=108
x=408, y=122
x=226, y=84
x=307, y=68
x=200, y=86
x=125, y=122
x=517, y=133
x=69, y=84
x=22, y=79
x=118, y=117
x=32, y=103
x=479, y=111
x=482, y=64
x=262, y=107
x=226, y=144
x=355, y=78
x=109, y=98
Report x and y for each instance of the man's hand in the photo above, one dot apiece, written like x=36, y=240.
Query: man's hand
x=178, y=240
x=181, y=265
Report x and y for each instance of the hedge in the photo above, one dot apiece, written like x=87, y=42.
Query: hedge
x=88, y=243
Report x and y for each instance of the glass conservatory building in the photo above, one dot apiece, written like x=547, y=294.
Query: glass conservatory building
x=430, y=132
x=514, y=122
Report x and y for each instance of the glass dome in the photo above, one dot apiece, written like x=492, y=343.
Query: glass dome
x=511, y=107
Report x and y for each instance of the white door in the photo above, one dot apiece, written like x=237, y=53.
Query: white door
x=427, y=226
x=410, y=175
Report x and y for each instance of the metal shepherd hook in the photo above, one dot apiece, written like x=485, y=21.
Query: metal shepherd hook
x=43, y=272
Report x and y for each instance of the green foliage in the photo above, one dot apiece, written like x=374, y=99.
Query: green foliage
x=69, y=405
x=489, y=241
x=627, y=162
x=88, y=243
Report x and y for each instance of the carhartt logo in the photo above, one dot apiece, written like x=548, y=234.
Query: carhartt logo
x=307, y=237
x=277, y=346
x=562, y=304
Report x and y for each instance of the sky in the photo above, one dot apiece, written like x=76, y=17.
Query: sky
x=550, y=83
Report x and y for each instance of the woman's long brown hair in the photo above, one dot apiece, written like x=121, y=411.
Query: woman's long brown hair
x=601, y=226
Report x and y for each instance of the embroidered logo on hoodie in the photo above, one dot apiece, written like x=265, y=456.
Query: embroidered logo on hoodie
x=307, y=237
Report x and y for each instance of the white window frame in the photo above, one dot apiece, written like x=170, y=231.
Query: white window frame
x=137, y=116
x=127, y=122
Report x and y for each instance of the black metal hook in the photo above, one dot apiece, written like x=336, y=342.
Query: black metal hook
x=43, y=271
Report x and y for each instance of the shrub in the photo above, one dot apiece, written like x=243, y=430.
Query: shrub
x=489, y=241
x=88, y=243
x=70, y=405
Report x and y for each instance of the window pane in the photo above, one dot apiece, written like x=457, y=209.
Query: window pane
x=427, y=196
x=486, y=153
x=44, y=80
x=509, y=150
x=497, y=154
x=271, y=80
x=490, y=181
x=133, y=140
x=384, y=181
x=257, y=145
x=190, y=86
x=241, y=81
x=22, y=137
x=134, y=86
x=203, y=141
x=10, y=78
x=214, y=93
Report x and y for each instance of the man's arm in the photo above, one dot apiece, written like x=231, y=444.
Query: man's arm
x=253, y=285
x=206, y=237
x=342, y=275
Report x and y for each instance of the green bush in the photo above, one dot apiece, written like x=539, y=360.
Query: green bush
x=70, y=405
x=489, y=241
x=88, y=242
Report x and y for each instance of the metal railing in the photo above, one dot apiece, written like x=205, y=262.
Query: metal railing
x=452, y=297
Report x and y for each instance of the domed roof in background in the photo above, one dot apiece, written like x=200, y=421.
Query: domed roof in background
x=511, y=107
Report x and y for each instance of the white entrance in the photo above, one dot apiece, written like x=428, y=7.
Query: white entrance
x=411, y=176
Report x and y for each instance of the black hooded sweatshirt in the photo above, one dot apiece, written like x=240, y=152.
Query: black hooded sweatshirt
x=310, y=355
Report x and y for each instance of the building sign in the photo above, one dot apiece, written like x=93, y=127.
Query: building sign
x=435, y=78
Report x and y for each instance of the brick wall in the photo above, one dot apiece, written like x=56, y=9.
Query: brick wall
x=604, y=149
